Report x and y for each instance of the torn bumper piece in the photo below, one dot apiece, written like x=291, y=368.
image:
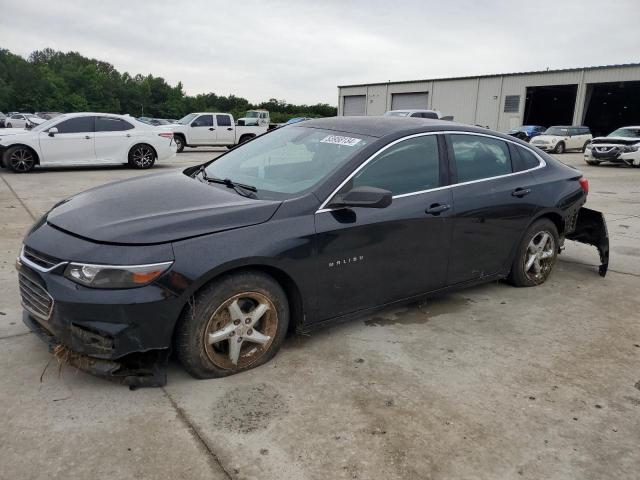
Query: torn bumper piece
x=591, y=228
x=139, y=369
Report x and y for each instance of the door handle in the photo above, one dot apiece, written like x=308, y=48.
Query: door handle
x=87, y=137
x=212, y=129
x=229, y=128
x=128, y=135
x=521, y=192
x=437, y=209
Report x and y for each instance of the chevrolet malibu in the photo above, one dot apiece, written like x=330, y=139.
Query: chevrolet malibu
x=306, y=225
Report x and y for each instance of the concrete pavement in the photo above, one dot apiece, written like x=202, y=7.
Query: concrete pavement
x=489, y=382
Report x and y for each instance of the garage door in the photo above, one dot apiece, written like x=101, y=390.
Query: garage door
x=354, y=105
x=413, y=100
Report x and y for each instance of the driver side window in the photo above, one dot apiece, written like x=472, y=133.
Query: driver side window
x=203, y=121
x=409, y=166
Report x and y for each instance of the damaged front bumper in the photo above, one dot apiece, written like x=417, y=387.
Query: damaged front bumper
x=591, y=228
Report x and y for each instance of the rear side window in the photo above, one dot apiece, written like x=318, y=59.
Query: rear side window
x=76, y=125
x=110, y=124
x=223, y=120
x=479, y=157
x=203, y=121
x=523, y=159
x=409, y=166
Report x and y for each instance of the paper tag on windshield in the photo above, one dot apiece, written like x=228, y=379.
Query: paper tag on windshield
x=338, y=140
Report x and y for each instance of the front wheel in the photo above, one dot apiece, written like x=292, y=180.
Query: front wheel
x=142, y=156
x=559, y=148
x=234, y=324
x=9, y=125
x=20, y=159
x=536, y=255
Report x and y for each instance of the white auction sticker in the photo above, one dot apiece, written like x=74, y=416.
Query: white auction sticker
x=338, y=140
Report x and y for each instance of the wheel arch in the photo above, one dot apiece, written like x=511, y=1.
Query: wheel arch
x=247, y=137
x=30, y=147
x=284, y=279
x=555, y=217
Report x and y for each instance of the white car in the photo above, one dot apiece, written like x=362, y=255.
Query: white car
x=87, y=139
x=620, y=146
x=22, y=120
x=560, y=139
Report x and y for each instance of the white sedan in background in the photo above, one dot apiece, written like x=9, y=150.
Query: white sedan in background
x=23, y=120
x=87, y=139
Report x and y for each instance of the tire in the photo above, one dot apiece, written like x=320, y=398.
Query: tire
x=245, y=138
x=523, y=136
x=9, y=125
x=536, y=255
x=210, y=314
x=559, y=148
x=584, y=147
x=142, y=156
x=593, y=163
x=179, y=143
x=20, y=159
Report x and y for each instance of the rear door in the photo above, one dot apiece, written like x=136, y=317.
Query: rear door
x=492, y=204
x=367, y=256
x=203, y=131
x=74, y=142
x=113, y=137
x=225, y=129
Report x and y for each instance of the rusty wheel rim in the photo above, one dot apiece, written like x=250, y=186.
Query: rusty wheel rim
x=241, y=330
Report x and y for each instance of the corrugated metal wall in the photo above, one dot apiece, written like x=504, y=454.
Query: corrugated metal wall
x=480, y=100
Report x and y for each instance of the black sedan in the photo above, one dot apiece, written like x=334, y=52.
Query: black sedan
x=306, y=225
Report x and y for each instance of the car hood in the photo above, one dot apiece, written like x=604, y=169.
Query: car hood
x=548, y=138
x=12, y=131
x=616, y=140
x=157, y=208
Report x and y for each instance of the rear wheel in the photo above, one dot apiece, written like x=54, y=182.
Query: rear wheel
x=20, y=159
x=232, y=325
x=142, y=156
x=9, y=125
x=245, y=138
x=536, y=255
x=179, y=143
x=559, y=148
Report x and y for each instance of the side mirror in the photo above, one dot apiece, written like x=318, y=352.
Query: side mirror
x=366, y=197
x=52, y=131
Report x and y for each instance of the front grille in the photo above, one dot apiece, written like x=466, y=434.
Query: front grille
x=35, y=298
x=41, y=259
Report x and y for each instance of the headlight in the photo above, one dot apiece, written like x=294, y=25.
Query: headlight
x=115, y=276
x=630, y=148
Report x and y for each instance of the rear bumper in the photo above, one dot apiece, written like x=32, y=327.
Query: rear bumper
x=591, y=228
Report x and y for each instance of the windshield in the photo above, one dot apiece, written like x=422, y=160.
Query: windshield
x=626, y=132
x=252, y=115
x=48, y=124
x=562, y=131
x=187, y=119
x=397, y=113
x=287, y=161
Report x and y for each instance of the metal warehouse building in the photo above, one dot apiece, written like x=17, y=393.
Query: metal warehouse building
x=602, y=98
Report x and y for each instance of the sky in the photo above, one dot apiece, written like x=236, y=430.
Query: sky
x=300, y=51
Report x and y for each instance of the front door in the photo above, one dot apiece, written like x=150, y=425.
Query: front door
x=492, y=206
x=73, y=143
x=203, y=131
x=368, y=257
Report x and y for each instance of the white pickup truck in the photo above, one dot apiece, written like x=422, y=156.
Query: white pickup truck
x=212, y=129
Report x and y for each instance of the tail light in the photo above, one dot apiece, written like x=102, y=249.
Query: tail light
x=584, y=184
x=166, y=135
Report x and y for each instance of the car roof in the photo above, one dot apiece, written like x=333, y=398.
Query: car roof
x=380, y=126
